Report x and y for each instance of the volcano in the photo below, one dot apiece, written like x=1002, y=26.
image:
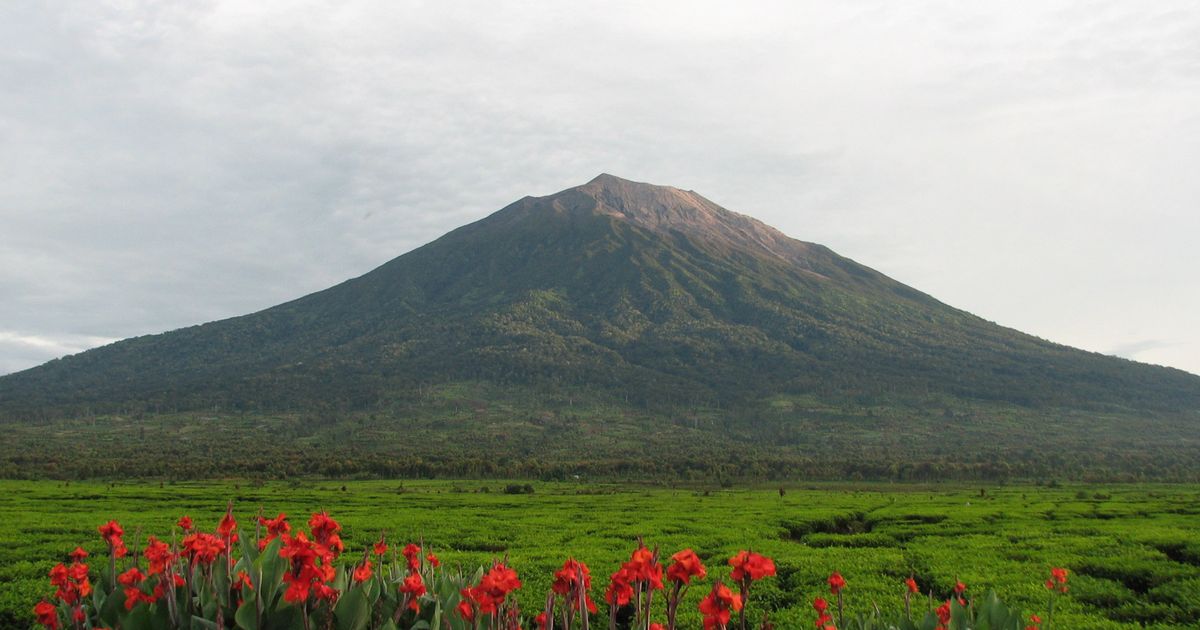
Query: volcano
x=647, y=298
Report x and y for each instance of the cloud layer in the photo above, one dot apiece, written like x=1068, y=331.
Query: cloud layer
x=167, y=164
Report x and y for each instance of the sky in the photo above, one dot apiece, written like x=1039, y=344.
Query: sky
x=164, y=164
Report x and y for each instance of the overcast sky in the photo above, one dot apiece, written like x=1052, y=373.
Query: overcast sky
x=165, y=164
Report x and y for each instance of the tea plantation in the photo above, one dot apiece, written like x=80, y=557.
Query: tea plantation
x=1133, y=551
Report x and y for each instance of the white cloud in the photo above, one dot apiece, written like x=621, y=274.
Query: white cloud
x=168, y=163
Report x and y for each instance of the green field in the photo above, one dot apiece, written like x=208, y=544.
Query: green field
x=1133, y=550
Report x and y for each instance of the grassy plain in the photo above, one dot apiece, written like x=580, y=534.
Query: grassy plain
x=1133, y=550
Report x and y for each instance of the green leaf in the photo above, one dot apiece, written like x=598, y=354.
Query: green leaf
x=139, y=619
x=247, y=615
x=352, y=611
x=202, y=624
x=272, y=567
x=114, y=606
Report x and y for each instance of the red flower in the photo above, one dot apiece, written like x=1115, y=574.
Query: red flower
x=363, y=572
x=325, y=533
x=541, y=621
x=412, y=553
x=493, y=588
x=747, y=564
x=78, y=554
x=620, y=590
x=202, y=548
x=276, y=526
x=943, y=615
x=243, y=581
x=413, y=587
x=381, y=546
x=132, y=580
x=959, y=587
x=643, y=566
x=717, y=605
x=657, y=626
x=822, y=608
x=466, y=607
x=185, y=523
x=158, y=554
x=71, y=584
x=836, y=583
x=112, y=533
x=47, y=614
x=225, y=529
x=432, y=560
x=567, y=584
x=304, y=574
x=325, y=592
x=685, y=566
x=1058, y=580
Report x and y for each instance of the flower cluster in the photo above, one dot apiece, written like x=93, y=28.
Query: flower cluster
x=717, y=605
x=488, y=597
x=288, y=577
x=1058, y=580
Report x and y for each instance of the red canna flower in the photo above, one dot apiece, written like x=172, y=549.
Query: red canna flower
x=226, y=528
x=567, y=584
x=432, y=560
x=47, y=614
x=243, y=581
x=158, y=554
x=685, y=566
x=202, y=548
x=71, y=583
x=657, y=626
x=493, y=588
x=717, y=605
x=943, y=615
x=414, y=588
x=363, y=572
x=912, y=585
x=1058, y=580
x=276, y=526
x=747, y=564
x=541, y=621
x=643, y=566
x=132, y=580
x=324, y=592
x=112, y=534
x=381, y=546
x=185, y=523
x=620, y=589
x=325, y=534
x=78, y=554
x=412, y=553
x=959, y=587
x=466, y=607
x=836, y=583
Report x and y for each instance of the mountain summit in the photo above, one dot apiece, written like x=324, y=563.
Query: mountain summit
x=631, y=296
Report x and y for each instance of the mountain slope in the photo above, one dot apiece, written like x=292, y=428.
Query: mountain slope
x=645, y=294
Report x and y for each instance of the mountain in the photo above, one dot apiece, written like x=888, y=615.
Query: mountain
x=650, y=300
